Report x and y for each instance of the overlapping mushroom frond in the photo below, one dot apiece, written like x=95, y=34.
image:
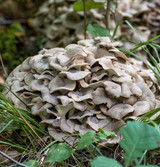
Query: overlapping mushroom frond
x=85, y=86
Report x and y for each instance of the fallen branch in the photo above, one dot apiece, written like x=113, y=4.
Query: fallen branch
x=11, y=159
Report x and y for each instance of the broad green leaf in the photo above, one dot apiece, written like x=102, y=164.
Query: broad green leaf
x=58, y=153
x=86, y=140
x=31, y=163
x=78, y=6
x=104, y=162
x=138, y=137
x=98, y=31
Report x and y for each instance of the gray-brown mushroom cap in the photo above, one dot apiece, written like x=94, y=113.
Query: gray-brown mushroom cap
x=84, y=86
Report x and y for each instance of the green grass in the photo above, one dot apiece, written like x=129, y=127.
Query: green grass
x=14, y=121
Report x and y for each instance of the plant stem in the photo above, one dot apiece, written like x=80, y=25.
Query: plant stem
x=85, y=18
x=109, y=2
x=91, y=153
x=55, y=8
x=1, y=60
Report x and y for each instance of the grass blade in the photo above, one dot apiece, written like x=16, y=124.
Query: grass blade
x=134, y=30
x=15, y=146
x=6, y=126
x=15, y=95
x=130, y=53
x=116, y=28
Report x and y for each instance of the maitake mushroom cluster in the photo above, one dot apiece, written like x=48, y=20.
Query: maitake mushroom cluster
x=61, y=25
x=84, y=86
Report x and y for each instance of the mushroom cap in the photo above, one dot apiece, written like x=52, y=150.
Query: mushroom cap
x=84, y=86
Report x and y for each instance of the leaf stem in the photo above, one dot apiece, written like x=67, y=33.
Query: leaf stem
x=91, y=153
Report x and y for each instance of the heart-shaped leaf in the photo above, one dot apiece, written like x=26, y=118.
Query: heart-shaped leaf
x=98, y=31
x=58, y=153
x=104, y=162
x=86, y=140
x=138, y=137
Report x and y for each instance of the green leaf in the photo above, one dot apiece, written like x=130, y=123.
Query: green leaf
x=103, y=135
x=31, y=163
x=78, y=6
x=86, y=140
x=138, y=137
x=104, y=162
x=58, y=153
x=98, y=31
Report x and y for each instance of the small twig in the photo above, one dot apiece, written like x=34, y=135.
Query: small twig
x=108, y=9
x=85, y=18
x=3, y=66
x=8, y=22
x=55, y=8
x=115, y=152
x=11, y=159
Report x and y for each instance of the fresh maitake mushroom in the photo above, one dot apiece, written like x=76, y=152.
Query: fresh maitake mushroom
x=85, y=86
x=60, y=25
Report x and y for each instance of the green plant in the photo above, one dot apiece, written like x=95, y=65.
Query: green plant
x=138, y=138
x=8, y=45
x=85, y=6
x=58, y=152
x=144, y=45
x=135, y=143
x=13, y=121
x=97, y=30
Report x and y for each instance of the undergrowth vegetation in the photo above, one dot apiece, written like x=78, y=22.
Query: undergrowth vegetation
x=19, y=130
x=9, y=45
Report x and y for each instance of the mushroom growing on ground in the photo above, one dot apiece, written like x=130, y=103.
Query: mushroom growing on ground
x=60, y=25
x=84, y=86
